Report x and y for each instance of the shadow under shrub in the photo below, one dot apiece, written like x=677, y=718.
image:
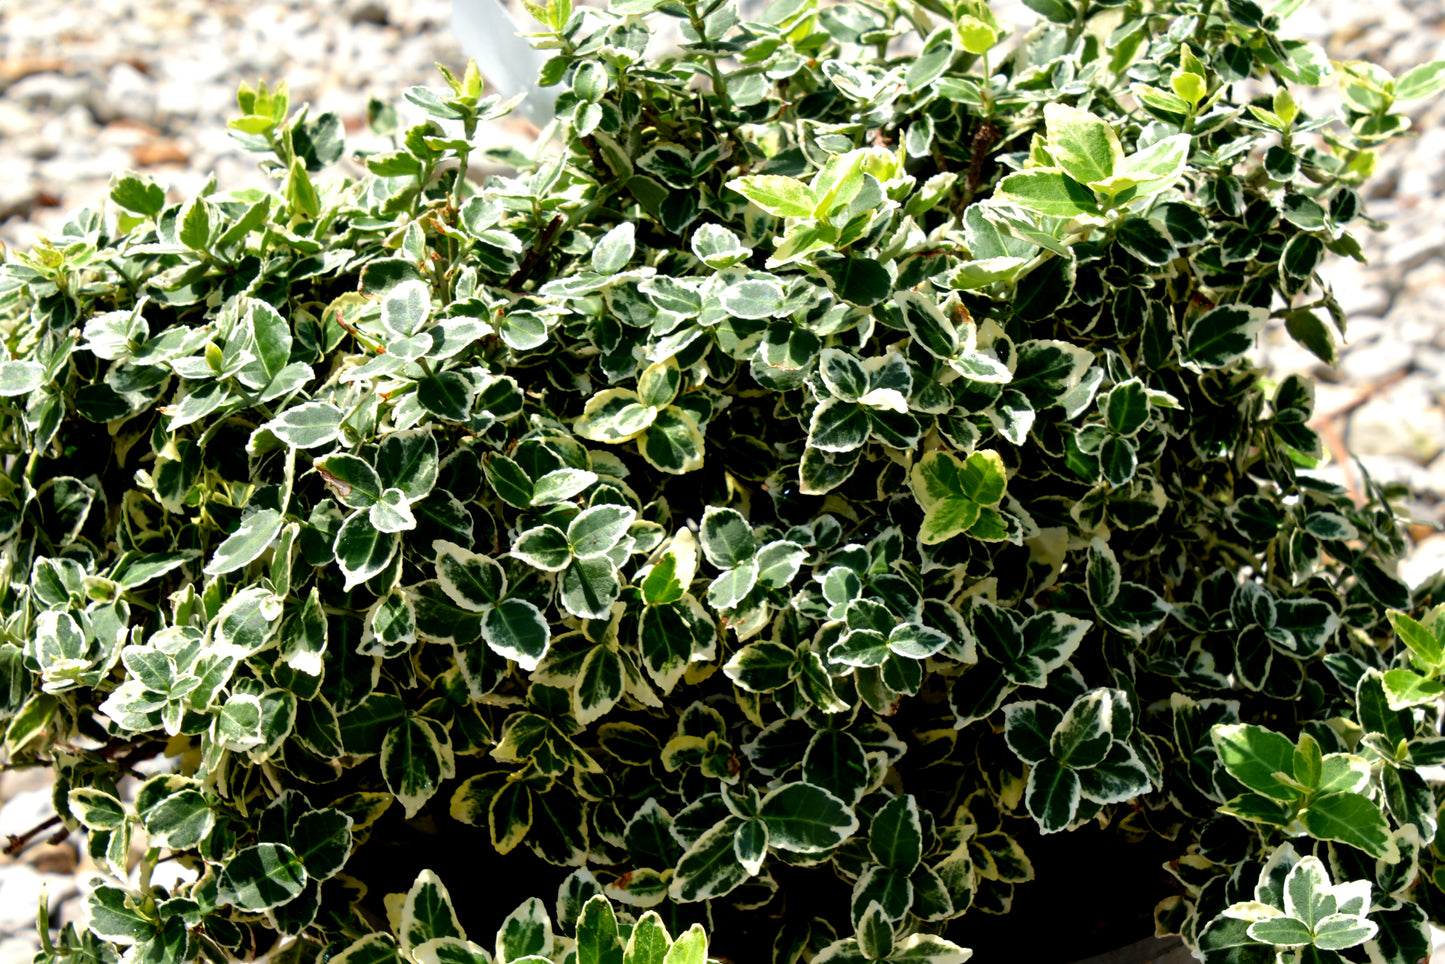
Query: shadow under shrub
x=782, y=510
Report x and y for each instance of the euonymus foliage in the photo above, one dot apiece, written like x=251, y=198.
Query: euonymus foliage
x=817, y=466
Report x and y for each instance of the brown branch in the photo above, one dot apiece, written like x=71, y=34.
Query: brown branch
x=534, y=254
x=19, y=841
x=984, y=139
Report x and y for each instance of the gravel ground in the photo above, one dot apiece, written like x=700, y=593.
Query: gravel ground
x=88, y=87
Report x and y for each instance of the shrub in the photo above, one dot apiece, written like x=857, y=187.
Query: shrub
x=778, y=511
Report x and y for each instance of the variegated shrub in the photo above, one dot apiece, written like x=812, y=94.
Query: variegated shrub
x=821, y=473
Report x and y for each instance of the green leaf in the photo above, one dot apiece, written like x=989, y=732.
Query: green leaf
x=710, y=867
x=806, y=819
x=512, y=485
x=447, y=395
x=837, y=762
x=1253, y=755
x=673, y=443
x=952, y=492
x=1422, y=80
x=689, y=948
x=427, y=914
x=924, y=320
x=391, y=513
x=252, y=537
x=509, y=815
x=1427, y=650
x=449, y=950
x=717, y=247
x=194, y=223
x=783, y=197
x=1404, y=688
x=1153, y=169
x=658, y=384
x=1223, y=334
x=589, y=587
x=596, y=530
x=615, y=248
x=838, y=426
x=138, y=193
x=1083, y=736
x=408, y=461
x=322, y=839
x=752, y=299
x=527, y=932
x=750, y=844
x=180, y=821
x=762, y=667
x=599, y=685
x=727, y=539
x=1120, y=776
x=1353, y=819
x=361, y=549
x=843, y=374
x=545, y=547
x=517, y=630
x=1126, y=407
x=522, y=331
x=471, y=580
x=1146, y=239
x=116, y=916
x=895, y=837
x=928, y=949
x=614, y=415
x=887, y=888
x=405, y=309
x=1047, y=191
x=1084, y=145
x=779, y=562
x=1052, y=795
x=875, y=933
x=20, y=377
x=414, y=762
x=1340, y=931
x=308, y=425
x=96, y=809
x=350, y=479
x=371, y=949
x=260, y=877
x=859, y=281
x=1281, y=932
x=1308, y=896
x=1029, y=727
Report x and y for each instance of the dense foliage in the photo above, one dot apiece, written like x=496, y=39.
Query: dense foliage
x=828, y=475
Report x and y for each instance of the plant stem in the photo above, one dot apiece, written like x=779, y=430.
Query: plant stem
x=1204, y=13
x=147, y=867
x=19, y=841
x=719, y=85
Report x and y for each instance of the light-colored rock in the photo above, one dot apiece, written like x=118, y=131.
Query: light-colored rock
x=1407, y=422
x=1423, y=561
x=25, y=810
x=20, y=890
x=49, y=92
x=128, y=94
x=1371, y=362
x=18, y=950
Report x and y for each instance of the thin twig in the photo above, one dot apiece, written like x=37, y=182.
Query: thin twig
x=19, y=841
x=534, y=254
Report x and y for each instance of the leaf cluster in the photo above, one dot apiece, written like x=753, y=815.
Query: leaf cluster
x=810, y=475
